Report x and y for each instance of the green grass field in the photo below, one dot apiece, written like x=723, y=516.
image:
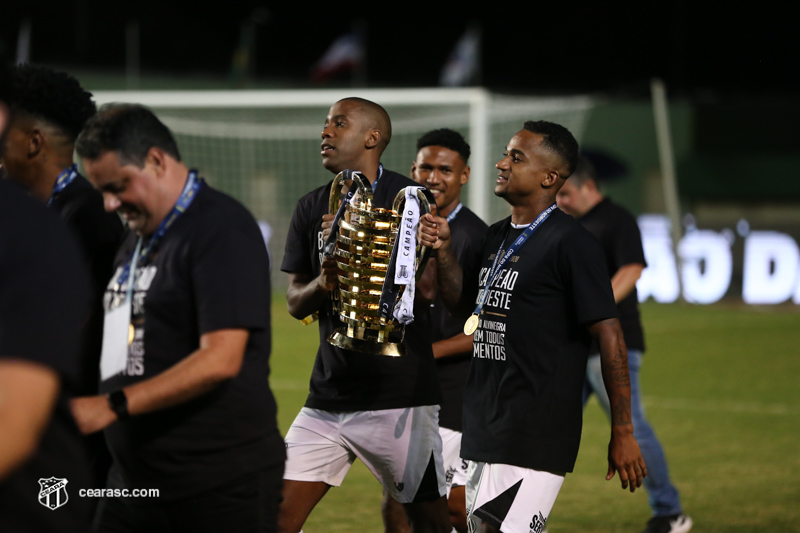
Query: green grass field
x=721, y=385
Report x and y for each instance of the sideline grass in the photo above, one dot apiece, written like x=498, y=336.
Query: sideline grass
x=721, y=385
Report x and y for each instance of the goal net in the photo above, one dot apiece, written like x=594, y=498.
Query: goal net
x=262, y=147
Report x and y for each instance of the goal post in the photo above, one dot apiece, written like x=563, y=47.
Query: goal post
x=262, y=146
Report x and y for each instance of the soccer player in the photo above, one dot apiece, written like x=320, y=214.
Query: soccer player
x=543, y=296
x=618, y=233
x=383, y=410
x=442, y=166
x=48, y=111
x=185, y=404
x=44, y=298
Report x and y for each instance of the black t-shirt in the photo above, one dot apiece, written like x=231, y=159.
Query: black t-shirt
x=99, y=234
x=522, y=403
x=466, y=234
x=619, y=235
x=43, y=302
x=209, y=272
x=344, y=380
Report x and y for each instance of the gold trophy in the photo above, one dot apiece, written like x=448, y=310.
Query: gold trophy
x=364, y=250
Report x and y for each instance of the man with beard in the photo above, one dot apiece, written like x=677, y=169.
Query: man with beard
x=185, y=404
x=542, y=294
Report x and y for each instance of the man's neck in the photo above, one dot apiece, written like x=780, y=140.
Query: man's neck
x=593, y=201
x=170, y=195
x=369, y=170
x=527, y=213
x=42, y=186
x=446, y=210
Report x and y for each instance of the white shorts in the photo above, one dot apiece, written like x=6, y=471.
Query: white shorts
x=511, y=498
x=455, y=467
x=401, y=447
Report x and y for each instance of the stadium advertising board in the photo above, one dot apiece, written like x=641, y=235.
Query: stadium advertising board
x=761, y=267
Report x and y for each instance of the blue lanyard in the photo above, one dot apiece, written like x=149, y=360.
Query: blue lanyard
x=498, y=263
x=193, y=184
x=454, y=213
x=66, y=177
x=380, y=173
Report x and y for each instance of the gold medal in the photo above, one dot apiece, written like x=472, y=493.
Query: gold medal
x=471, y=325
x=131, y=332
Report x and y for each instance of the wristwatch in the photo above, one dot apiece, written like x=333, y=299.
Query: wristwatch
x=119, y=404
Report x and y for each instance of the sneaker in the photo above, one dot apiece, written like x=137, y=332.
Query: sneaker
x=676, y=523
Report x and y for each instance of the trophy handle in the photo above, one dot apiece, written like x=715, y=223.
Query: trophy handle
x=361, y=185
x=425, y=199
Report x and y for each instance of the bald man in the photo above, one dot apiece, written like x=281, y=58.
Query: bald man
x=382, y=410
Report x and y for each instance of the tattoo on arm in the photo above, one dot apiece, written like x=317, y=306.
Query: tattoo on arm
x=449, y=277
x=621, y=412
x=614, y=359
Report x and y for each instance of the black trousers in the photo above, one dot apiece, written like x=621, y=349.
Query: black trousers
x=249, y=504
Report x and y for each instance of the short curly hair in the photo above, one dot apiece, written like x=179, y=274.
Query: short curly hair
x=52, y=96
x=558, y=140
x=447, y=138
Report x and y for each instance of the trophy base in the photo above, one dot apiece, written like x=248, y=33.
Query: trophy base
x=391, y=349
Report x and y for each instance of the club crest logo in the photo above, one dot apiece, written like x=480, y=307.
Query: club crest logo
x=53, y=492
x=448, y=476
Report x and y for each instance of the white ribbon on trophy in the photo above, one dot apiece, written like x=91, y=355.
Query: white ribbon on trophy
x=405, y=273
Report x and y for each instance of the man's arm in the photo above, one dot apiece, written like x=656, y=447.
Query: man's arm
x=28, y=393
x=624, y=280
x=306, y=293
x=455, y=345
x=623, y=450
x=218, y=359
x=449, y=274
x=425, y=290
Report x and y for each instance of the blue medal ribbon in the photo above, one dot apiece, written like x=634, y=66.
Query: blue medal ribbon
x=193, y=184
x=66, y=177
x=499, y=262
x=380, y=173
x=454, y=213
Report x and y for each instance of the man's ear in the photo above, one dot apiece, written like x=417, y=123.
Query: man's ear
x=157, y=161
x=36, y=140
x=373, y=139
x=465, y=176
x=551, y=179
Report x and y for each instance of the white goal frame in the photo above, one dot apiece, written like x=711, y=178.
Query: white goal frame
x=478, y=101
